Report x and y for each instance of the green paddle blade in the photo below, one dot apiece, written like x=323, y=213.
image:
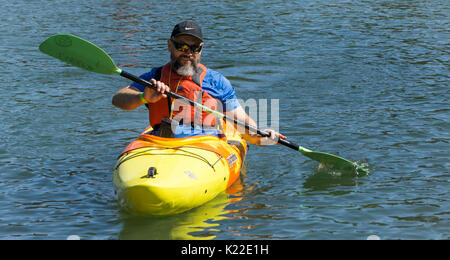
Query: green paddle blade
x=80, y=53
x=333, y=162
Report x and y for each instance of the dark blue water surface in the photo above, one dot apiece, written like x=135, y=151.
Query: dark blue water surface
x=366, y=80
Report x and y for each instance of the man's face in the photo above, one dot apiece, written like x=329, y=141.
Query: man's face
x=185, y=60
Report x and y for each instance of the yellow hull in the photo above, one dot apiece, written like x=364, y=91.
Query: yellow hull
x=166, y=176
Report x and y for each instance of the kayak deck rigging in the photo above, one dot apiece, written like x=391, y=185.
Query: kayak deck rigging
x=145, y=150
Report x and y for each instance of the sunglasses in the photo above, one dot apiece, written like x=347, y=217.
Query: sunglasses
x=183, y=47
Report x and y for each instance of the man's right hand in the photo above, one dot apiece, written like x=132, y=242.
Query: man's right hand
x=152, y=95
x=128, y=98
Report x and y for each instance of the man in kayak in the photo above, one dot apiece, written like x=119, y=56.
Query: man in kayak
x=186, y=76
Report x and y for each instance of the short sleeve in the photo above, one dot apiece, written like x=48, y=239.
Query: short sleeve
x=220, y=88
x=229, y=98
x=146, y=76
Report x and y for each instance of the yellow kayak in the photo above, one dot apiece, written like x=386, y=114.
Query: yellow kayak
x=167, y=176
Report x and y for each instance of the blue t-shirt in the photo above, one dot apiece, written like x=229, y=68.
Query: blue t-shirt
x=214, y=84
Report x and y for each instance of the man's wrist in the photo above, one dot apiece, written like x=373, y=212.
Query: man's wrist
x=142, y=98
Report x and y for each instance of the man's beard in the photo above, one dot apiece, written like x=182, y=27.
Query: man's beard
x=184, y=70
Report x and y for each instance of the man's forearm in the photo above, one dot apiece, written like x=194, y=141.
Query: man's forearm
x=127, y=99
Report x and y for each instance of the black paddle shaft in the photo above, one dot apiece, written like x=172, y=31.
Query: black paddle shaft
x=235, y=121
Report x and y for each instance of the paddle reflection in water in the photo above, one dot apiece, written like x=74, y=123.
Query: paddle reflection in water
x=325, y=179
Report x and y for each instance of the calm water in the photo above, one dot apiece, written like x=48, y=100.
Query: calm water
x=367, y=80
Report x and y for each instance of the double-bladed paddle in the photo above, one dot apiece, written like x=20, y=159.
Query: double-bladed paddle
x=83, y=54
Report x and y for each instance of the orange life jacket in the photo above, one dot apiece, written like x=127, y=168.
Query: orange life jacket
x=189, y=87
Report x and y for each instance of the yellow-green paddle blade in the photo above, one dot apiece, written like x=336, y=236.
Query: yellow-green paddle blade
x=80, y=53
x=333, y=162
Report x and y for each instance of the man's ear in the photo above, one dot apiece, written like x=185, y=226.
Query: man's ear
x=169, y=44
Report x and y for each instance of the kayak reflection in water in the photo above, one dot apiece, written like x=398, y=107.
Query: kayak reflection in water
x=186, y=76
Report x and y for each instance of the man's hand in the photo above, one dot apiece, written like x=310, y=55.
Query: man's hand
x=152, y=95
x=272, y=139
